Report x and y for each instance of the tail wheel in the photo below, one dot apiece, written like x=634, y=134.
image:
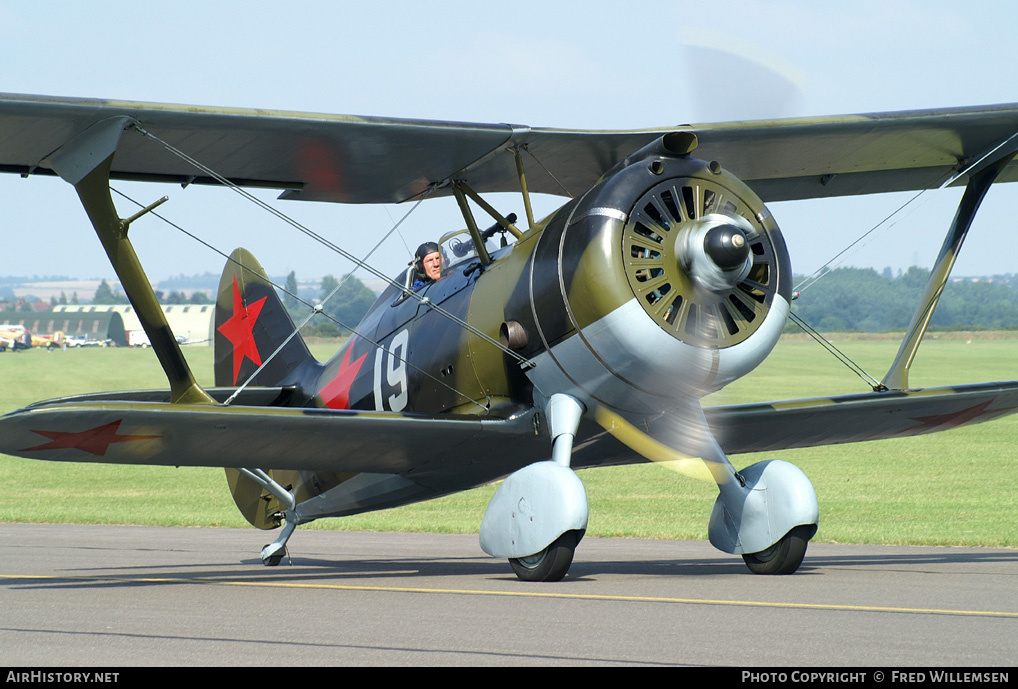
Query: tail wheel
x=785, y=556
x=551, y=564
x=655, y=273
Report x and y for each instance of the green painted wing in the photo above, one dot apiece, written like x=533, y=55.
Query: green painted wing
x=122, y=432
x=855, y=418
x=348, y=159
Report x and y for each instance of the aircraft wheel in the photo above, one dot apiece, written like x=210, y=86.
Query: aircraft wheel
x=785, y=556
x=551, y=564
x=274, y=559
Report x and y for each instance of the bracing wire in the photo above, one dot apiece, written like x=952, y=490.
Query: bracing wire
x=319, y=308
x=949, y=178
x=401, y=238
x=526, y=363
x=826, y=268
x=839, y=355
x=549, y=172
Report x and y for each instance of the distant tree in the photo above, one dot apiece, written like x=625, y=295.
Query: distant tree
x=916, y=277
x=74, y=298
x=63, y=298
x=352, y=301
x=53, y=302
x=199, y=298
x=26, y=306
x=348, y=306
x=863, y=300
x=329, y=283
x=290, y=300
x=324, y=329
x=104, y=294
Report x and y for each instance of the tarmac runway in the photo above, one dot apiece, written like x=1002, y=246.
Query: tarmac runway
x=88, y=596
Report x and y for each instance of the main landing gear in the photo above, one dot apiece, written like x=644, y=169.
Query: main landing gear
x=759, y=502
x=272, y=554
x=785, y=556
x=539, y=514
x=552, y=563
x=767, y=513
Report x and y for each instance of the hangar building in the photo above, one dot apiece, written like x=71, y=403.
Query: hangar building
x=196, y=322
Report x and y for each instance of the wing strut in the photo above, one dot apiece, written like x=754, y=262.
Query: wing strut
x=976, y=188
x=524, y=189
x=85, y=163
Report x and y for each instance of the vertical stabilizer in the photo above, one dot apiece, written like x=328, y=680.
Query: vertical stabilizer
x=251, y=323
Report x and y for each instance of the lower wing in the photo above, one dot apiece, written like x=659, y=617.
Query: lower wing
x=469, y=449
x=148, y=432
x=788, y=424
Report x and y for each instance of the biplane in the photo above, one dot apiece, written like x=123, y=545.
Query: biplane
x=585, y=338
x=17, y=337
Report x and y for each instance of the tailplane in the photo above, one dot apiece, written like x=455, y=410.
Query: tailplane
x=251, y=323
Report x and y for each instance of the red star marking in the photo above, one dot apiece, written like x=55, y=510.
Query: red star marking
x=239, y=330
x=955, y=419
x=336, y=394
x=94, y=441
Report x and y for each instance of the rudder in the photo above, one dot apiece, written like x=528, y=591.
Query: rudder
x=251, y=322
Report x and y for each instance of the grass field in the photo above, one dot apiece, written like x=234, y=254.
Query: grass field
x=954, y=488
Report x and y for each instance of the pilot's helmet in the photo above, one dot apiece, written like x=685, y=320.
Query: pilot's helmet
x=422, y=251
x=425, y=249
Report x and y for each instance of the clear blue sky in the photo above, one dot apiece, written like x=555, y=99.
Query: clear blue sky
x=568, y=64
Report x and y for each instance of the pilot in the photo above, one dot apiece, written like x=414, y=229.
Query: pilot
x=427, y=265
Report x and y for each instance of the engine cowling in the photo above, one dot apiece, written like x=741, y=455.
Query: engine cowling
x=669, y=278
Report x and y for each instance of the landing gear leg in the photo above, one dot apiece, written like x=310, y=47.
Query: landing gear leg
x=552, y=563
x=272, y=554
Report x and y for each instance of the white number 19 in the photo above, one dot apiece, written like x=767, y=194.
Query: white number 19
x=395, y=374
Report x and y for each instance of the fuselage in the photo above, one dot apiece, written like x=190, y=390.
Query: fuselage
x=605, y=299
x=627, y=299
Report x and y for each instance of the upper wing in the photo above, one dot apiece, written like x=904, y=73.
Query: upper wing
x=374, y=160
x=818, y=157
x=855, y=418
